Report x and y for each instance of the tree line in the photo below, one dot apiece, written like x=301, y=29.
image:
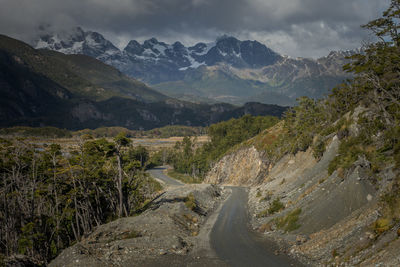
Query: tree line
x=188, y=158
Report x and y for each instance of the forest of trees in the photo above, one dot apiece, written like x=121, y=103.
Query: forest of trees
x=50, y=198
x=53, y=132
x=186, y=158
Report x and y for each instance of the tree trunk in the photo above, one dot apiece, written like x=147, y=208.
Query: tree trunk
x=119, y=184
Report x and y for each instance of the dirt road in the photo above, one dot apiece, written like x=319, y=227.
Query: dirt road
x=230, y=238
x=235, y=244
x=158, y=173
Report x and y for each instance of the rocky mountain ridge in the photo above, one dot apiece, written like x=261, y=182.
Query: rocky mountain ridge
x=154, y=54
x=48, y=88
x=228, y=69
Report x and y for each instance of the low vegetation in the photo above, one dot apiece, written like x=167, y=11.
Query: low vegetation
x=53, y=132
x=190, y=202
x=187, y=179
x=46, y=132
x=289, y=222
x=390, y=212
x=276, y=206
x=175, y=130
x=382, y=225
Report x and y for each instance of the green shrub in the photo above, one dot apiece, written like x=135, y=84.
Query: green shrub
x=131, y=234
x=289, y=222
x=267, y=197
x=190, y=202
x=276, y=206
x=349, y=150
x=318, y=149
x=382, y=225
x=263, y=213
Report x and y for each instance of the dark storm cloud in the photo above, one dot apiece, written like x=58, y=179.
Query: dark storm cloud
x=294, y=27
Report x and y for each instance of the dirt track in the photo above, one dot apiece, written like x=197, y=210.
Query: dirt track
x=159, y=174
x=235, y=244
x=230, y=238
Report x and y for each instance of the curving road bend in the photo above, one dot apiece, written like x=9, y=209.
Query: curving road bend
x=235, y=244
x=158, y=173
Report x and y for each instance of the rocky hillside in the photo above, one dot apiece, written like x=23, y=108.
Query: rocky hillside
x=228, y=69
x=47, y=88
x=324, y=216
x=326, y=180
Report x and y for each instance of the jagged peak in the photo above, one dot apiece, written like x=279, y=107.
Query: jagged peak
x=152, y=40
x=345, y=53
x=133, y=43
x=226, y=37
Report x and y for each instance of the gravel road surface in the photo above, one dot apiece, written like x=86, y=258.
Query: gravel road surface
x=235, y=244
x=158, y=173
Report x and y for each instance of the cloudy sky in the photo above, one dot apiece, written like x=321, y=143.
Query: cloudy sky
x=308, y=28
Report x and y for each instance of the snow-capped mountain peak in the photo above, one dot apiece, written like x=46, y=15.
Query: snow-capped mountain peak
x=175, y=57
x=78, y=41
x=154, y=61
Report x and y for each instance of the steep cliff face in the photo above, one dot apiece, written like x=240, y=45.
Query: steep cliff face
x=246, y=166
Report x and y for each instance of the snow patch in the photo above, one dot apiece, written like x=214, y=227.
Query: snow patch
x=193, y=64
x=90, y=41
x=206, y=49
x=161, y=48
x=149, y=53
x=41, y=44
x=77, y=46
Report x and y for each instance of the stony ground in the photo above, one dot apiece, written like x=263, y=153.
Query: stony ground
x=335, y=214
x=319, y=218
x=171, y=232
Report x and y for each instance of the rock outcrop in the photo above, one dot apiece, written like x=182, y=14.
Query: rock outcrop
x=243, y=167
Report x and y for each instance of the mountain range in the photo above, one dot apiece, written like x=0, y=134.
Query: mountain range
x=49, y=88
x=227, y=70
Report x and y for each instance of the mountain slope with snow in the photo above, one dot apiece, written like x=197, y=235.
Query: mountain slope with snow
x=47, y=88
x=227, y=70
